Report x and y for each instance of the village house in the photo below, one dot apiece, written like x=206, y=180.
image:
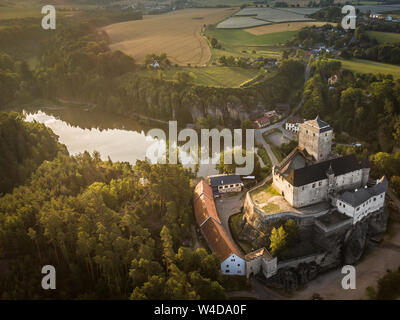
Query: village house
x=155, y=64
x=332, y=80
x=293, y=124
x=262, y=122
x=271, y=114
x=223, y=183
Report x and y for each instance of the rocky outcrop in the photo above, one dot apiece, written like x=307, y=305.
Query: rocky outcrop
x=344, y=243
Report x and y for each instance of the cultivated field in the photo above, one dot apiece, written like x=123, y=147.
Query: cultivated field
x=367, y=66
x=282, y=27
x=251, y=17
x=381, y=37
x=176, y=33
x=379, y=8
x=241, y=22
x=243, y=38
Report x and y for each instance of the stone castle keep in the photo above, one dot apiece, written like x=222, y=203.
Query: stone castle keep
x=311, y=173
x=335, y=204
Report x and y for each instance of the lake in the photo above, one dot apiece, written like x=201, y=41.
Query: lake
x=117, y=137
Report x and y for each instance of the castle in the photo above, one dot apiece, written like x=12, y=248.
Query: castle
x=311, y=173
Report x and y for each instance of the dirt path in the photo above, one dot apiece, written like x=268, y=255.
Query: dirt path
x=372, y=267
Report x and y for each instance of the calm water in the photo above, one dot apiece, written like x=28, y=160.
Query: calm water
x=117, y=137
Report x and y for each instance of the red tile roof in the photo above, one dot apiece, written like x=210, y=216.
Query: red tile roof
x=218, y=240
x=204, y=205
x=210, y=224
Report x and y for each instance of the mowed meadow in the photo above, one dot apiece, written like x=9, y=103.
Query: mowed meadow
x=176, y=33
x=283, y=27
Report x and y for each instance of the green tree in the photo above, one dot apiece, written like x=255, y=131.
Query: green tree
x=278, y=239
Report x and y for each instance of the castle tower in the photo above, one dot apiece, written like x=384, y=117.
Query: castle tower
x=316, y=136
x=365, y=164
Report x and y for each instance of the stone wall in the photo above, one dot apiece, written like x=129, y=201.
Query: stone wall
x=339, y=244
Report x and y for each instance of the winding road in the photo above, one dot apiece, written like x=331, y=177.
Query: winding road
x=259, y=132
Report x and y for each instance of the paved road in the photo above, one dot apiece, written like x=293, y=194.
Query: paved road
x=260, y=139
x=263, y=292
x=259, y=132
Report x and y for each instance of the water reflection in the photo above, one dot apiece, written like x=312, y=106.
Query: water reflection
x=121, y=139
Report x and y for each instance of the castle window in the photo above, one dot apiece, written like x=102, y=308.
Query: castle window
x=358, y=209
x=381, y=195
x=374, y=199
x=313, y=185
x=238, y=264
x=226, y=271
x=227, y=265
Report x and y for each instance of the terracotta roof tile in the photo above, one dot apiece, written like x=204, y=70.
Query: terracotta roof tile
x=204, y=205
x=218, y=240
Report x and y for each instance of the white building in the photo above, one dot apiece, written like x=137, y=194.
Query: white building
x=311, y=174
x=293, y=124
x=359, y=203
x=226, y=183
x=261, y=260
x=155, y=64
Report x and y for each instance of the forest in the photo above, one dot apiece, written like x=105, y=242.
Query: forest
x=111, y=230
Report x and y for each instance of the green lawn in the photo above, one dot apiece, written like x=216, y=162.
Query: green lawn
x=216, y=76
x=381, y=37
x=367, y=66
x=271, y=207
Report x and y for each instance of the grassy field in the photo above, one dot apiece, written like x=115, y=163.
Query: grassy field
x=384, y=36
x=11, y=13
x=283, y=27
x=215, y=76
x=243, y=38
x=176, y=33
x=366, y=66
